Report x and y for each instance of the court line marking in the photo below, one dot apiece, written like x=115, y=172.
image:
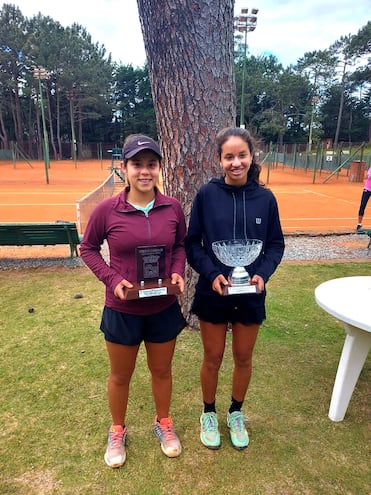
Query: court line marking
x=323, y=195
x=35, y=204
x=330, y=196
x=39, y=193
x=307, y=219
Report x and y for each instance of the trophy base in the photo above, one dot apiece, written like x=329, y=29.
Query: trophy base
x=151, y=289
x=232, y=290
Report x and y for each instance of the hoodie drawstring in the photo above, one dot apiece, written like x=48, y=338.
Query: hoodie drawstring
x=235, y=215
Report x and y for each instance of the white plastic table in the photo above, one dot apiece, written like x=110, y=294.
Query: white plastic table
x=349, y=300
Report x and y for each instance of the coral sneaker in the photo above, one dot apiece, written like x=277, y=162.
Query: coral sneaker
x=115, y=454
x=237, y=430
x=209, y=435
x=164, y=431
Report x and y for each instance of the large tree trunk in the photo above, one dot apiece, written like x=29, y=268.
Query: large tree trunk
x=189, y=47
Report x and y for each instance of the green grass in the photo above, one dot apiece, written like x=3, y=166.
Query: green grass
x=54, y=414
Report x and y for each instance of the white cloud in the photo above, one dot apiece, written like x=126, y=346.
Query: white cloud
x=287, y=28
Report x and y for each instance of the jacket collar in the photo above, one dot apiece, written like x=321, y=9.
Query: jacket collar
x=122, y=203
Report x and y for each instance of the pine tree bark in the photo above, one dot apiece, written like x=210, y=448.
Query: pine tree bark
x=189, y=48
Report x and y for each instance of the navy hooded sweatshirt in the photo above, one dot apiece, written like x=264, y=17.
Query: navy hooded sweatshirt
x=220, y=212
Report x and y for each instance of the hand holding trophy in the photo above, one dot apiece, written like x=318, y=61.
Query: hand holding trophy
x=151, y=279
x=238, y=253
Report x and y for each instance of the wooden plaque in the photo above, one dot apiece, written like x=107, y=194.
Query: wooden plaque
x=152, y=289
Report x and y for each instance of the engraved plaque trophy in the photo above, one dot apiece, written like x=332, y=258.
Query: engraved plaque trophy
x=150, y=275
x=238, y=253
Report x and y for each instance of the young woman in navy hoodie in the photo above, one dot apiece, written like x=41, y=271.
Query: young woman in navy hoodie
x=235, y=206
x=138, y=216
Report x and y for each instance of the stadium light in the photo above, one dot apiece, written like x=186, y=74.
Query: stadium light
x=245, y=23
x=41, y=73
x=314, y=101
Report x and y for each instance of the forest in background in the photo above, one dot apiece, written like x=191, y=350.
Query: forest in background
x=88, y=98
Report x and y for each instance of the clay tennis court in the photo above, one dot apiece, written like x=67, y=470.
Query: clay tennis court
x=304, y=207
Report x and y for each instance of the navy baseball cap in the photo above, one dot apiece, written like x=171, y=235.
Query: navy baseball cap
x=140, y=143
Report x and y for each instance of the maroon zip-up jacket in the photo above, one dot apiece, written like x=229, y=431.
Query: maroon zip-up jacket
x=125, y=228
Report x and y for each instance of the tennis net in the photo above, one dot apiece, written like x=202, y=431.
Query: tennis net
x=86, y=205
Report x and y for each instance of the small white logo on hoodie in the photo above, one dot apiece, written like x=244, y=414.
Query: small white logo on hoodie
x=258, y=221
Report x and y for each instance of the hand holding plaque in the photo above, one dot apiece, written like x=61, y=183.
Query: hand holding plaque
x=238, y=253
x=151, y=281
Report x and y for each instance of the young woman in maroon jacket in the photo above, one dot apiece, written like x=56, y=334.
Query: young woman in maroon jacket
x=139, y=216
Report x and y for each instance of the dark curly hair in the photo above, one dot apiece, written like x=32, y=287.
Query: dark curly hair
x=225, y=134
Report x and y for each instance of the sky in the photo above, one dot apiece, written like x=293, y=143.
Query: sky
x=285, y=28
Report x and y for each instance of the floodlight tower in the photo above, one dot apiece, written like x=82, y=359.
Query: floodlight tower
x=70, y=96
x=244, y=23
x=41, y=73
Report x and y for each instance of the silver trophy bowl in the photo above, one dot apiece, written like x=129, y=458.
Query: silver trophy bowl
x=238, y=253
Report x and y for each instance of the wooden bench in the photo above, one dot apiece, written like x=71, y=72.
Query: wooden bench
x=40, y=234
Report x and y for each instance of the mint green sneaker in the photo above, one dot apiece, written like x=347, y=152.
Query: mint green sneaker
x=210, y=436
x=237, y=431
